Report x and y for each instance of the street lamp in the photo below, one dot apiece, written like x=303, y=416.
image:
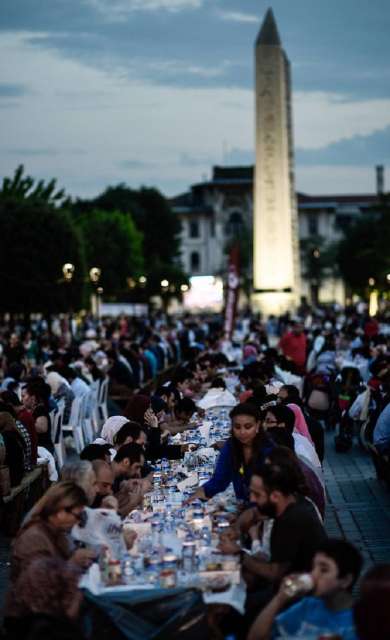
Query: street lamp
x=142, y=280
x=184, y=288
x=68, y=271
x=94, y=274
x=373, y=298
x=164, y=283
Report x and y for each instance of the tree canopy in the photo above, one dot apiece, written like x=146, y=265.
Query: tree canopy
x=364, y=253
x=37, y=239
x=114, y=245
x=155, y=219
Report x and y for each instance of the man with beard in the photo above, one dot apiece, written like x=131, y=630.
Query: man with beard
x=128, y=487
x=104, y=479
x=297, y=531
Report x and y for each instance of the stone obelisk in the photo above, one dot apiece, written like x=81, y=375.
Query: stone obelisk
x=275, y=220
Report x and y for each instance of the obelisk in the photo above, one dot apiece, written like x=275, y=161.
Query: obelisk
x=275, y=220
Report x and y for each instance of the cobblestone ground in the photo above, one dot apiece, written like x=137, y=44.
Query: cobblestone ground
x=358, y=505
x=358, y=508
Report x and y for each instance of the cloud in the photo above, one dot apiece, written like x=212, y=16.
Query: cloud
x=357, y=151
x=135, y=164
x=236, y=156
x=327, y=179
x=22, y=152
x=191, y=160
x=237, y=16
x=11, y=90
x=31, y=152
x=118, y=10
x=132, y=36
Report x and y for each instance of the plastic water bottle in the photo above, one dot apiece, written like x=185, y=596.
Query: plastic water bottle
x=206, y=536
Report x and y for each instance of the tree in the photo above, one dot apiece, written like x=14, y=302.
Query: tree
x=319, y=262
x=242, y=237
x=364, y=252
x=113, y=244
x=157, y=222
x=37, y=240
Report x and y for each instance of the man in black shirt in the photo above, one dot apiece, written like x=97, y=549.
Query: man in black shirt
x=297, y=530
x=296, y=534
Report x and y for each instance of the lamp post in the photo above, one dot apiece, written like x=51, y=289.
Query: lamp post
x=315, y=275
x=373, y=298
x=94, y=276
x=68, y=270
x=164, y=290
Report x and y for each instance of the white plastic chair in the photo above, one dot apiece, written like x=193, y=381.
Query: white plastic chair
x=75, y=424
x=102, y=402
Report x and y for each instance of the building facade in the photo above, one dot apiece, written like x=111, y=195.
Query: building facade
x=217, y=212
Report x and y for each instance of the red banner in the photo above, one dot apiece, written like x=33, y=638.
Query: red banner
x=232, y=290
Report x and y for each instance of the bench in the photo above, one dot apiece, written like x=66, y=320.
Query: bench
x=21, y=499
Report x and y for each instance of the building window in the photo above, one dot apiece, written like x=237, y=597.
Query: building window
x=234, y=226
x=212, y=228
x=194, y=229
x=312, y=223
x=195, y=261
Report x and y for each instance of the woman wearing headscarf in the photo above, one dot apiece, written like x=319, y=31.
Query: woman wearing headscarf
x=110, y=429
x=61, y=390
x=289, y=394
x=300, y=425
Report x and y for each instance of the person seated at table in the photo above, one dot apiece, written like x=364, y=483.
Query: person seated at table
x=312, y=488
x=49, y=595
x=104, y=485
x=129, y=488
x=217, y=395
x=297, y=531
x=35, y=399
x=130, y=432
x=281, y=417
x=289, y=394
x=14, y=447
x=110, y=429
x=95, y=451
x=23, y=419
x=327, y=610
x=371, y=610
x=181, y=419
x=247, y=446
x=150, y=412
x=82, y=473
x=61, y=390
x=45, y=534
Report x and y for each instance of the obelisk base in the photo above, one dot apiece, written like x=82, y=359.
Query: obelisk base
x=275, y=303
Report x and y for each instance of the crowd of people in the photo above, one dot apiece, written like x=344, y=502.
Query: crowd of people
x=297, y=379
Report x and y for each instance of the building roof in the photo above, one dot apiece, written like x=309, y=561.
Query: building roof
x=337, y=200
x=243, y=176
x=268, y=33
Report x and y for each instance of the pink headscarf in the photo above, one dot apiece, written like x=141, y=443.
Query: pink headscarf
x=300, y=425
